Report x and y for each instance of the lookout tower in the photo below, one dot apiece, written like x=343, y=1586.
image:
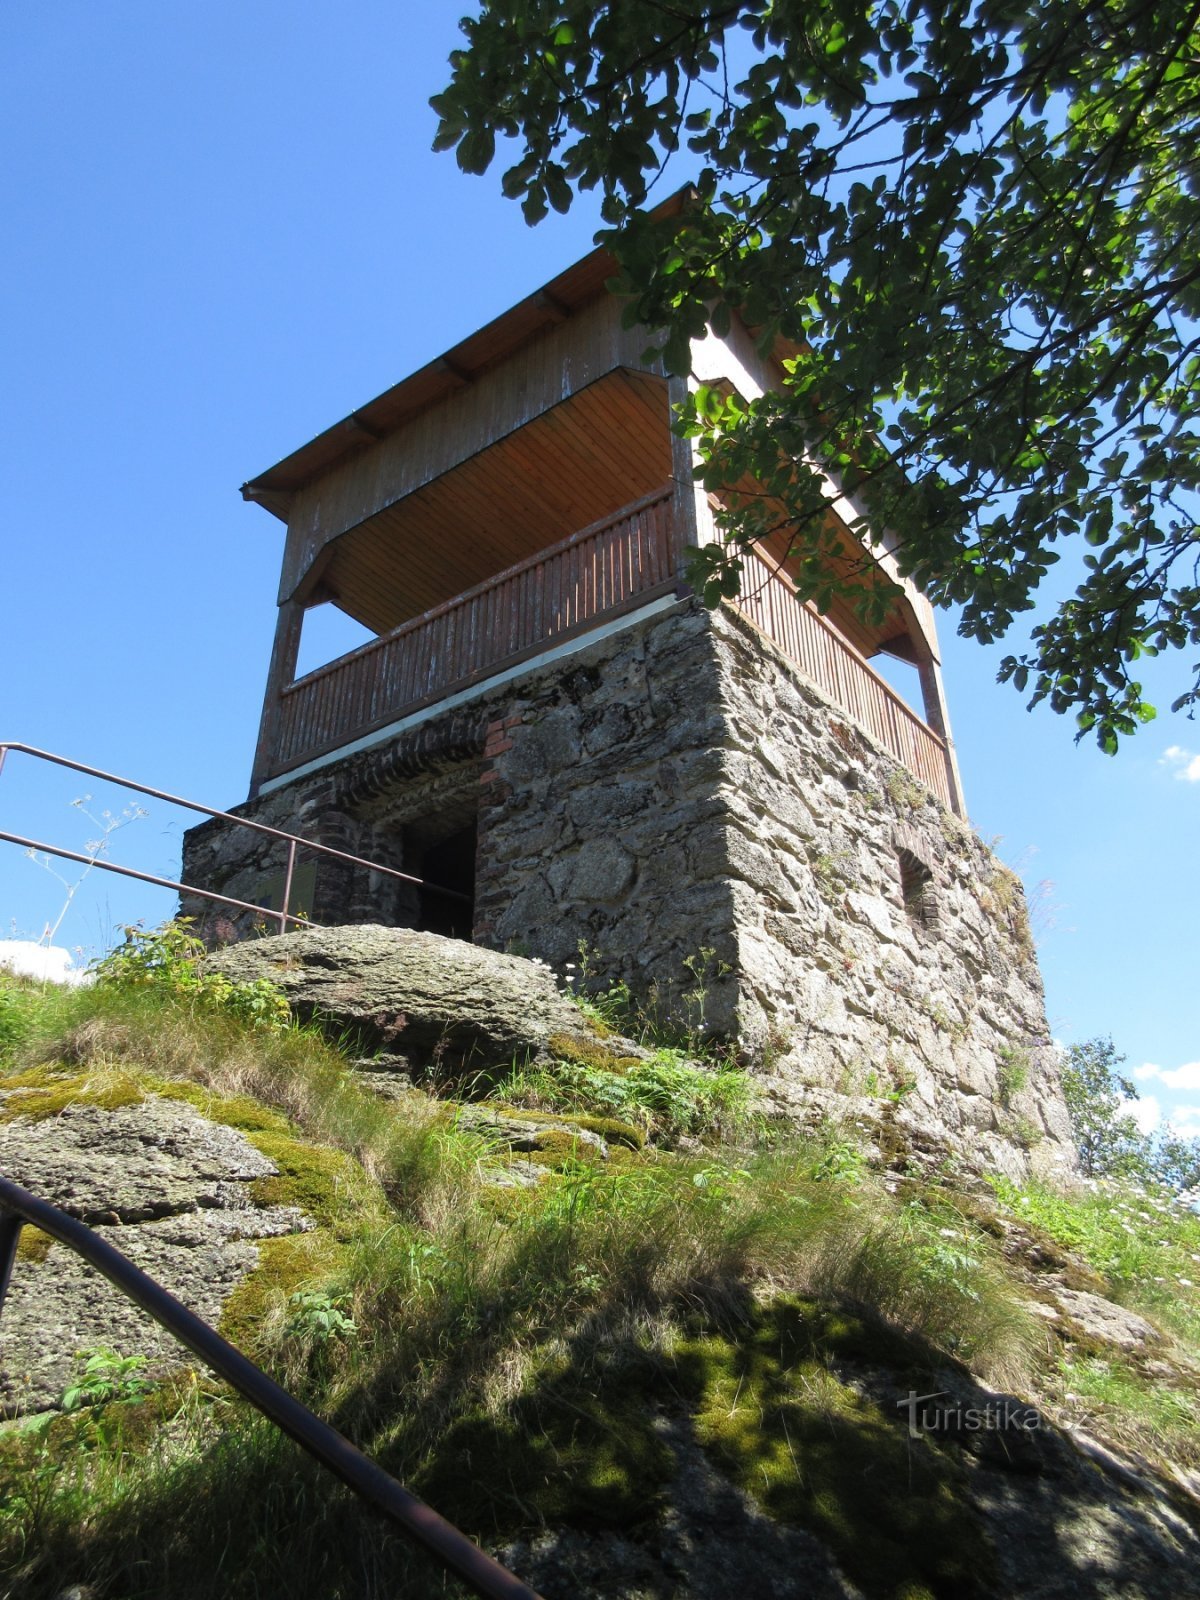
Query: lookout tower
x=515, y=496
x=547, y=721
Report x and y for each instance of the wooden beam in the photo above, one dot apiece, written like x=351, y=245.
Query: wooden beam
x=903, y=647
x=282, y=671
x=452, y=368
x=933, y=693
x=356, y=425
x=554, y=308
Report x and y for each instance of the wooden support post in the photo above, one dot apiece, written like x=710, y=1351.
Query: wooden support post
x=693, y=519
x=933, y=693
x=282, y=670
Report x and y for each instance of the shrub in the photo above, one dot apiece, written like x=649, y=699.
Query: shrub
x=167, y=959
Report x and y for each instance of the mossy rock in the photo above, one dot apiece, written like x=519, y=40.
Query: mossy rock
x=572, y=1449
x=817, y=1454
x=611, y=1129
x=46, y=1092
x=589, y=1050
x=235, y=1111
x=284, y=1266
x=326, y=1184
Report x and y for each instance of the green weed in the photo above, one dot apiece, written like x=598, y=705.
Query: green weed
x=666, y=1094
x=1143, y=1243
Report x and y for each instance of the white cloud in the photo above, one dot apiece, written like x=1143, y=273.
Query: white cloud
x=1186, y=766
x=1185, y=1077
x=1145, y=1111
x=31, y=960
x=1185, y=1120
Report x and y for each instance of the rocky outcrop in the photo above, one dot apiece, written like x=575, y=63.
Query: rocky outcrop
x=436, y=1001
x=166, y=1186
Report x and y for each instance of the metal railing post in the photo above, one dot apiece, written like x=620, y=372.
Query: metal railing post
x=10, y=1234
x=287, y=886
x=293, y=841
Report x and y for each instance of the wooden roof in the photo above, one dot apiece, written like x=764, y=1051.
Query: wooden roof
x=461, y=364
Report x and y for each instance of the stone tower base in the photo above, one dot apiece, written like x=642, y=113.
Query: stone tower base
x=722, y=839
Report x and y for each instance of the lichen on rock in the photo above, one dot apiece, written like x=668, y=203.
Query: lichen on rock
x=171, y=1189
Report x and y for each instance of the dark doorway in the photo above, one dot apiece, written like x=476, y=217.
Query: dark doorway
x=449, y=864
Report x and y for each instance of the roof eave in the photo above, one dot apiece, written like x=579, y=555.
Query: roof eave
x=581, y=283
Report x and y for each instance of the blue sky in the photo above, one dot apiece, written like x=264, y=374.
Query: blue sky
x=225, y=229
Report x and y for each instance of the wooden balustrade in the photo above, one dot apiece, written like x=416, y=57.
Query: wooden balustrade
x=612, y=566
x=769, y=600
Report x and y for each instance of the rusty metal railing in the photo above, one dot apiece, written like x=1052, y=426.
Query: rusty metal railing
x=294, y=842
x=419, y=1522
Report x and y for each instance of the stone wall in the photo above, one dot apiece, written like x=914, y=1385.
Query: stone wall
x=679, y=799
x=882, y=949
x=595, y=783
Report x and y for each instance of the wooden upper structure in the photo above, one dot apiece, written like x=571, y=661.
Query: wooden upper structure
x=523, y=488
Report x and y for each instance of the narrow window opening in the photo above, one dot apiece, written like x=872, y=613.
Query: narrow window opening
x=916, y=887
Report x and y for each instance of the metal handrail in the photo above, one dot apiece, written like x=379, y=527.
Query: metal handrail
x=294, y=840
x=333, y=1450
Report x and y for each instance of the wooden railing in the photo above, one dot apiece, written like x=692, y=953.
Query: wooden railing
x=612, y=566
x=769, y=600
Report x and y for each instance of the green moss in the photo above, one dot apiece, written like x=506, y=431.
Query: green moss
x=44, y=1092
x=284, y=1265
x=33, y=1244
x=235, y=1111
x=611, y=1129
x=328, y=1185
x=588, y=1052
x=814, y=1452
x=574, y=1449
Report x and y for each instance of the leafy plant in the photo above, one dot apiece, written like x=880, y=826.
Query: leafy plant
x=316, y=1316
x=168, y=959
x=667, y=1093
x=105, y=1375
